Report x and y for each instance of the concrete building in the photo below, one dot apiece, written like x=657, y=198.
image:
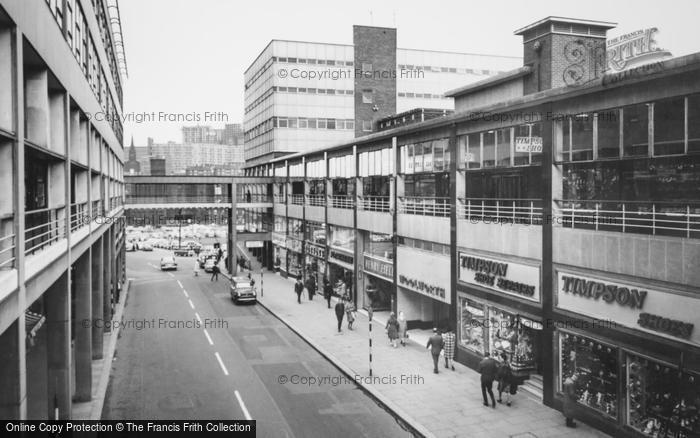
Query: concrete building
x=61, y=214
x=300, y=96
x=180, y=157
x=232, y=134
x=554, y=221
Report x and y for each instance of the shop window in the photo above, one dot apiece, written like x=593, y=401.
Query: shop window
x=669, y=127
x=472, y=325
x=635, y=130
x=295, y=228
x=694, y=123
x=341, y=237
x=597, y=367
x=578, y=138
x=489, y=149
x=663, y=402
x=609, y=134
x=503, y=148
x=522, y=158
x=379, y=245
x=439, y=149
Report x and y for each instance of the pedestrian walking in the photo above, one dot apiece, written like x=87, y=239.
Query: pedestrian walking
x=327, y=290
x=569, y=388
x=403, y=328
x=215, y=272
x=298, y=288
x=506, y=381
x=252, y=280
x=392, y=329
x=311, y=287
x=435, y=344
x=488, y=368
x=196, y=268
x=350, y=312
x=449, y=351
x=341, y=289
x=340, y=313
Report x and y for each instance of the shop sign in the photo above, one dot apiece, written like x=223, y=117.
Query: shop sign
x=421, y=286
x=528, y=144
x=279, y=240
x=341, y=257
x=294, y=245
x=379, y=267
x=254, y=244
x=507, y=277
x=316, y=251
x=423, y=272
x=665, y=314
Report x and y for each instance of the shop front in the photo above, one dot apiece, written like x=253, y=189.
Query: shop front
x=315, y=262
x=635, y=349
x=423, y=287
x=499, y=311
x=341, y=272
x=279, y=252
x=379, y=292
x=295, y=257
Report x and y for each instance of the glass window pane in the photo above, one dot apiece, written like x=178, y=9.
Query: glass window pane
x=669, y=127
x=474, y=151
x=635, y=130
x=582, y=137
x=609, y=134
x=489, y=149
x=521, y=158
x=418, y=157
x=536, y=132
x=694, y=123
x=428, y=156
x=503, y=149
x=438, y=150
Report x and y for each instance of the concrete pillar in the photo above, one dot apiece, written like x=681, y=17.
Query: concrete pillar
x=58, y=329
x=13, y=397
x=231, y=241
x=107, y=280
x=83, y=329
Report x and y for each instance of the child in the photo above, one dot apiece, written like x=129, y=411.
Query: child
x=196, y=268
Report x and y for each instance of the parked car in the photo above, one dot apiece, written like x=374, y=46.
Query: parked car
x=209, y=264
x=145, y=246
x=128, y=246
x=168, y=263
x=242, y=290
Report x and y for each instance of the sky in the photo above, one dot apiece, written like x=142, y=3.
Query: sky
x=188, y=56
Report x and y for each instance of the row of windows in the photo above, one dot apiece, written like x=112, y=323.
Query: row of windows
x=311, y=61
x=313, y=123
x=515, y=146
x=423, y=95
x=259, y=129
x=268, y=93
x=425, y=245
x=458, y=70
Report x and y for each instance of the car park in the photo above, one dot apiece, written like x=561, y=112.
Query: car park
x=242, y=290
x=168, y=263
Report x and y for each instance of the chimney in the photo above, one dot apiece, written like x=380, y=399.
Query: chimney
x=563, y=52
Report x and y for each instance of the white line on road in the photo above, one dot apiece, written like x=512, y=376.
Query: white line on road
x=191, y=304
x=152, y=266
x=221, y=362
x=170, y=274
x=206, y=333
x=185, y=292
x=243, y=408
x=198, y=318
x=178, y=283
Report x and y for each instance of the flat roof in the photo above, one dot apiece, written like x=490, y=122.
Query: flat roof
x=490, y=82
x=603, y=24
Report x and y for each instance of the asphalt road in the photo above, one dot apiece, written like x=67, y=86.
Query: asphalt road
x=187, y=352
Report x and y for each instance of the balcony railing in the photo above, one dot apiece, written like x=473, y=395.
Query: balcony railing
x=491, y=210
x=342, y=201
x=250, y=198
x=96, y=209
x=44, y=228
x=680, y=219
x=297, y=199
x=279, y=199
x=425, y=206
x=7, y=251
x=202, y=199
x=316, y=200
x=78, y=216
x=373, y=203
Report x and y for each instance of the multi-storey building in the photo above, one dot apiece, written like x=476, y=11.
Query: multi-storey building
x=554, y=221
x=61, y=214
x=301, y=96
x=180, y=157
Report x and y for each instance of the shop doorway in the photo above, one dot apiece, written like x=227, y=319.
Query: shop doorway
x=441, y=315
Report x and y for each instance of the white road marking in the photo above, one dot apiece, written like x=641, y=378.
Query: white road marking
x=221, y=362
x=170, y=274
x=185, y=292
x=243, y=408
x=179, y=284
x=191, y=304
x=206, y=333
x=198, y=318
x=153, y=266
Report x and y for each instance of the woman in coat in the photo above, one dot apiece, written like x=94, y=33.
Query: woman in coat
x=569, y=388
x=350, y=312
x=392, y=329
x=403, y=329
x=505, y=379
x=449, y=348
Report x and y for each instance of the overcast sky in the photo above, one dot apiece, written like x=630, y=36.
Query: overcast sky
x=188, y=56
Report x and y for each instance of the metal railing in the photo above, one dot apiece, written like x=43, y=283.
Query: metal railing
x=342, y=201
x=96, y=209
x=50, y=229
x=493, y=210
x=250, y=198
x=373, y=203
x=7, y=251
x=78, y=216
x=279, y=199
x=680, y=219
x=316, y=200
x=203, y=199
x=425, y=206
x=296, y=199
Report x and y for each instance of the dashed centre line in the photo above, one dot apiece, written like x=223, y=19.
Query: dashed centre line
x=198, y=318
x=179, y=284
x=185, y=292
x=206, y=333
x=221, y=363
x=191, y=303
x=243, y=408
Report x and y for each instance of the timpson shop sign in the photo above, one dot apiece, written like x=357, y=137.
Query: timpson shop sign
x=510, y=278
x=667, y=314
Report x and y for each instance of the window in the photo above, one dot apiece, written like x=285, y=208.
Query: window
x=503, y=147
x=312, y=123
x=694, y=123
x=367, y=125
x=311, y=90
x=292, y=89
x=330, y=124
x=473, y=157
x=303, y=123
x=321, y=123
x=489, y=149
x=292, y=60
x=521, y=158
x=321, y=91
x=669, y=127
x=609, y=134
x=578, y=137
x=281, y=123
x=292, y=122
x=330, y=91
x=635, y=130
x=349, y=124
x=367, y=96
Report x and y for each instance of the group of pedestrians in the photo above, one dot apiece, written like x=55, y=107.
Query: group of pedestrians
x=492, y=370
x=442, y=343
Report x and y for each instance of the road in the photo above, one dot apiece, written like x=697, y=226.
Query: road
x=187, y=352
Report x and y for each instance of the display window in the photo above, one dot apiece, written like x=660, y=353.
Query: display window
x=281, y=258
x=377, y=293
x=315, y=232
x=473, y=325
x=315, y=268
x=597, y=366
x=280, y=224
x=296, y=228
x=342, y=280
x=502, y=332
x=379, y=245
x=294, y=264
x=342, y=237
x=662, y=401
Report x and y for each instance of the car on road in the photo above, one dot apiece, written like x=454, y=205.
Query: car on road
x=209, y=264
x=129, y=246
x=168, y=263
x=145, y=246
x=242, y=290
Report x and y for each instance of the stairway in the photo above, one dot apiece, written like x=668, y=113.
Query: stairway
x=255, y=265
x=532, y=387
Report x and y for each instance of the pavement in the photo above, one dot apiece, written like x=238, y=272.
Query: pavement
x=448, y=404
x=239, y=362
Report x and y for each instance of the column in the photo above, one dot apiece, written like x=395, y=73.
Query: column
x=83, y=329
x=97, y=277
x=13, y=373
x=231, y=241
x=107, y=280
x=58, y=345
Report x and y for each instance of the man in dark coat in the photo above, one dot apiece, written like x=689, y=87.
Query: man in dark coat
x=327, y=291
x=436, y=344
x=215, y=272
x=340, y=313
x=311, y=287
x=488, y=368
x=298, y=288
x=569, y=388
